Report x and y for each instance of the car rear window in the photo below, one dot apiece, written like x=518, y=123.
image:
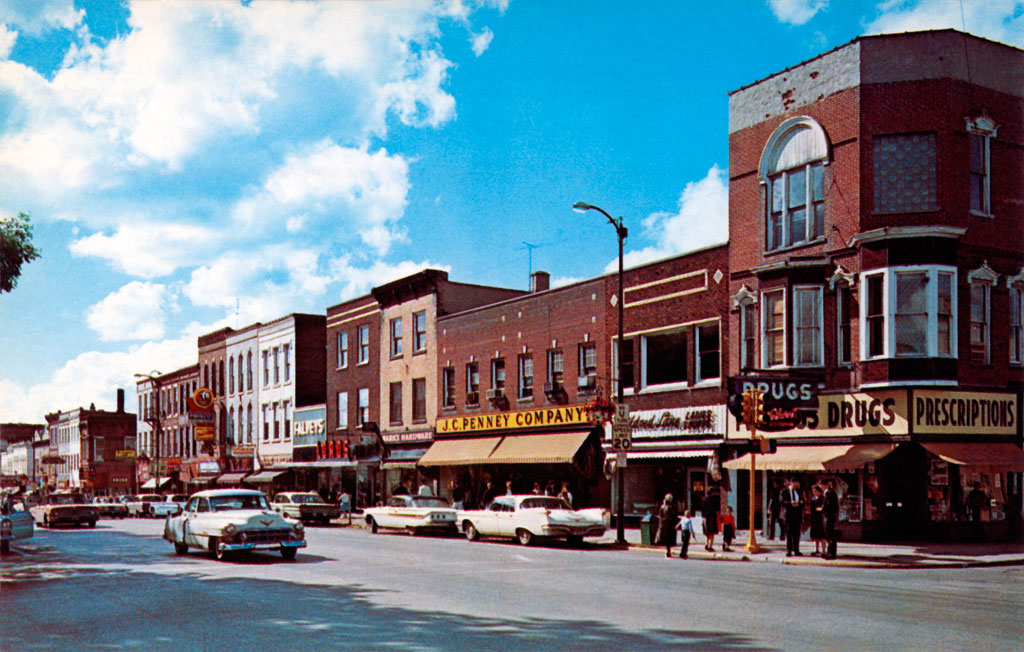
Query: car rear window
x=543, y=502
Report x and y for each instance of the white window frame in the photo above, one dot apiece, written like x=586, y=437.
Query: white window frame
x=498, y=380
x=820, y=340
x=843, y=321
x=699, y=378
x=419, y=337
x=1015, y=285
x=889, y=301
x=286, y=355
x=746, y=303
x=985, y=128
x=448, y=390
x=342, y=349
x=763, y=327
x=986, y=288
x=524, y=360
x=342, y=410
x=363, y=335
x=363, y=409
x=396, y=335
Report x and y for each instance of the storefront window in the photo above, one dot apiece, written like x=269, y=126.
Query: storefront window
x=664, y=358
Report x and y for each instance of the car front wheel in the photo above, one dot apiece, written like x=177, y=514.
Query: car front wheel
x=373, y=525
x=470, y=531
x=574, y=540
x=217, y=550
x=524, y=536
x=180, y=548
x=289, y=553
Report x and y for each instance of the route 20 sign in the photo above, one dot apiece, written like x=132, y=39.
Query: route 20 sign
x=622, y=431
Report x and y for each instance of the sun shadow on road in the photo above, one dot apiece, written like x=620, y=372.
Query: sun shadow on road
x=109, y=609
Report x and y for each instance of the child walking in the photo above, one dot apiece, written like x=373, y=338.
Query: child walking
x=686, y=531
x=728, y=526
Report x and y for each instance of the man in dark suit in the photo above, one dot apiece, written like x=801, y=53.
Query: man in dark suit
x=793, y=503
x=831, y=514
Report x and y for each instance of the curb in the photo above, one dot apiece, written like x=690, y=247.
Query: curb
x=840, y=562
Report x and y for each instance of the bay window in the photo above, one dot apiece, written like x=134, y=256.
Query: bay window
x=808, y=334
x=909, y=312
x=773, y=319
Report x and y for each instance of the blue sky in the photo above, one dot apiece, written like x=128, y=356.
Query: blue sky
x=196, y=165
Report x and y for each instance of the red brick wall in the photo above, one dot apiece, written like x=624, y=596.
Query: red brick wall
x=348, y=317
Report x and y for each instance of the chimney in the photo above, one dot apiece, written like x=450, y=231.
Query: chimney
x=120, y=400
x=540, y=281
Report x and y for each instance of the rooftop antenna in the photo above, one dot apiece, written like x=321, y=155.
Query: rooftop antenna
x=236, y=313
x=529, y=249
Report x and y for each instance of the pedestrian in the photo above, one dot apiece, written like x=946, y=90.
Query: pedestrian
x=549, y=489
x=817, y=504
x=686, y=531
x=458, y=497
x=400, y=490
x=774, y=512
x=333, y=497
x=793, y=503
x=490, y=493
x=508, y=488
x=710, y=509
x=565, y=494
x=976, y=500
x=425, y=489
x=668, y=514
x=536, y=489
x=727, y=523
x=831, y=514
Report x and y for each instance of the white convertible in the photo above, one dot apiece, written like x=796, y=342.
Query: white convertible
x=531, y=516
x=413, y=514
x=224, y=521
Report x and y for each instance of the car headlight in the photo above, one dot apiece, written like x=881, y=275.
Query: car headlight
x=298, y=527
x=6, y=524
x=229, y=530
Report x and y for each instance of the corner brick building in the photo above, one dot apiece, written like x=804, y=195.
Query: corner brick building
x=876, y=218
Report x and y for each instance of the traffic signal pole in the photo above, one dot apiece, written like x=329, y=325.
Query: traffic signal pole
x=751, y=414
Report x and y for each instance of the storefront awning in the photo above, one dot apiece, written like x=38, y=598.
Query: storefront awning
x=265, y=476
x=203, y=479
x=845, y=457
x=154, y=483
x=231, y=478
x=667, y=455
x=998, y=457
x=322, y=464
x=459, y=452
x=556, y=448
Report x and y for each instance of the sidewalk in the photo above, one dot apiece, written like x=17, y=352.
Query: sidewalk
x=851, y=554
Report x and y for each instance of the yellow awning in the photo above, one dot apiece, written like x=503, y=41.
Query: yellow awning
x=999, y=457
x=832, y=458
x=458, y=452
x=556, y=448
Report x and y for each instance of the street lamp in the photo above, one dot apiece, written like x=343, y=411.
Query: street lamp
x=621, y=231
x=154, y=377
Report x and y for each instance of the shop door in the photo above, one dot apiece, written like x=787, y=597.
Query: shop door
x=696, y=483
x=903, y=483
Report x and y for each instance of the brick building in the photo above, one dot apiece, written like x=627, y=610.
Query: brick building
x=92, y=450
x=165, y=435
x=876, y=218
x=408, y=390
x=242, y=401
x=349, y=451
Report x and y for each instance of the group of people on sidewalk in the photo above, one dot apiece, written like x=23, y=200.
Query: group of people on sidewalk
x=715, y=520
x=788, y=505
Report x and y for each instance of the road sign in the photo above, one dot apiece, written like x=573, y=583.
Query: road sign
x=622, y=430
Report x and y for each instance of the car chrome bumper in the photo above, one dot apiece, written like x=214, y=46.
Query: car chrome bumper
x=568, y=531
x=263, y=546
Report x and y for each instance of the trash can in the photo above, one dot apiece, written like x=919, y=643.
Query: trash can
x=645, y=530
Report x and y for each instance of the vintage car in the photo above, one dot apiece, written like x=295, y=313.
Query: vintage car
x=413, y=514
x=225, y=521
x=178, y=501
x=151, y=505
x=110, y=507
x=58, y=509
x=529, y=517
x=16, y=522
x=305, y=506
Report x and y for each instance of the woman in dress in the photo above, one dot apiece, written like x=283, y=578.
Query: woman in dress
x=667, y=517
x=818, y=520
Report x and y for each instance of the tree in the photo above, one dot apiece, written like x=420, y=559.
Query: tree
x=15, y=249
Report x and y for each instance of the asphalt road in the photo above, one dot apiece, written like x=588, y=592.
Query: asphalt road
x=121, y=587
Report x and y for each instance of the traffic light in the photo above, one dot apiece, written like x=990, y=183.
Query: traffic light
x=753, y=406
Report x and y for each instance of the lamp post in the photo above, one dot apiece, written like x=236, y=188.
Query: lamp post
x=154, y=377
x=621, y=232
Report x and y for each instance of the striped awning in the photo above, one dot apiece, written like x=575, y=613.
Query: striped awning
x=460, y=452
x=555, y=448
x=998, y=457
x=266, y=476
x=832, y=458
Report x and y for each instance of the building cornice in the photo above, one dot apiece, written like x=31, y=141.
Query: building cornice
x=897, y=232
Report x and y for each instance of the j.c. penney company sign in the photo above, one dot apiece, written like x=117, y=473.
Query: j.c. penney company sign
x=557, y=416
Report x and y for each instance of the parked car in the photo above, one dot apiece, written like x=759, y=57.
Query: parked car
x=16, y=522
x=177, y=501
x=413, y=514
x=58, y=509
x=225, y=521
x=151, y=505
x=110, y=507
x=530, y=516
x=305, y=506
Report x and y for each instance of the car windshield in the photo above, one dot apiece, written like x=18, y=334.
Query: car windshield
x=67, y=499
x=178, y=498
x=306, y=499
x=544, y=502
x=151, y=498
x=238, y=501
x=429, y=501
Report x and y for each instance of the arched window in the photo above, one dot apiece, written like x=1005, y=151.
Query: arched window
x=793, y=171
x=248, y=424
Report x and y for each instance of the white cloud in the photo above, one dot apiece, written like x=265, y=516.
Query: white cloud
x=480, y=42
x=356, y=281
x=93, y=377
x=39, y=16
x=796, y=12
x=135, y=312
x=999, y=20
x=149, y=250
x=701, y=221
x=365, y=191
x=7, y=40
x=562, y=281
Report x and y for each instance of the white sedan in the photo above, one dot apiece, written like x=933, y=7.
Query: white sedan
x=225, y=521
x=528, y=517
x=413, y=514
